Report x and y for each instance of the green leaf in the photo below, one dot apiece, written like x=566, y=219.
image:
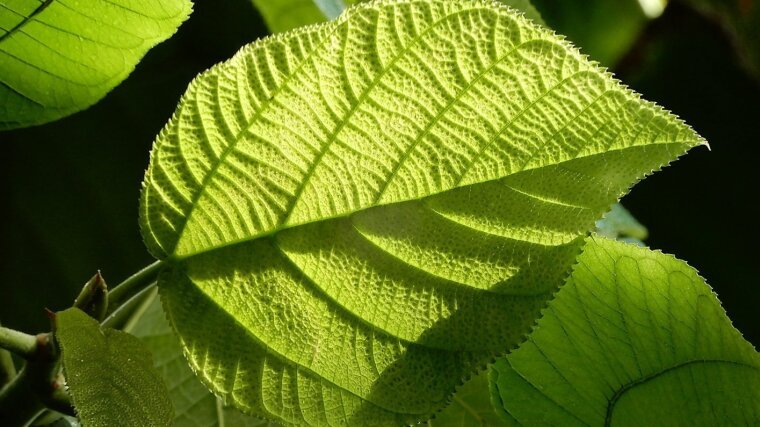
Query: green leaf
x=371, y=208
x=193, y=404
x=526, y=7
x=603, y=29
x=283, y=15
x=110, y=375
x=60, y=57
x=741, y=20
x=635, y=337
x=619, y=224
x=470, y=406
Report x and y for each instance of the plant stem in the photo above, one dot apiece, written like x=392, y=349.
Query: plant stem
x=122, y=314
x=132, y=286
x=24, y=345
x=7, y=368
x=37, y=386
x=141, y=306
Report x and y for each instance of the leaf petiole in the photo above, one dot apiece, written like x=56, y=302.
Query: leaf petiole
x=130, y=288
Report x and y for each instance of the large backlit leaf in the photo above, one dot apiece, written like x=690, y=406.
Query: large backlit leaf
x=635, y=338
x=58, y=57
x=194, y=405
x=110, y=375
x=356, y=215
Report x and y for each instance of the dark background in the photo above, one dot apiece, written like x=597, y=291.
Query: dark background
x=70, y=189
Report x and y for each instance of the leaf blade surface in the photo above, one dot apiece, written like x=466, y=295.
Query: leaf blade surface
x=194, y=405
x=378, y=205
x=634, y=337
x=58, y=57
x=110, y=374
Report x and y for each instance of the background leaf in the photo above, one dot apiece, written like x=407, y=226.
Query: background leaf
x=57, y=57
x=110, y=375
x=283, y=15
x=634, y=338
x=605, y=30
x=194, y=405
x=333, y=239
x=619, y=224
x=741, y=19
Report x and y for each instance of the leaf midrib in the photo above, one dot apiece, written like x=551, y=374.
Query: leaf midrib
x=276, y=230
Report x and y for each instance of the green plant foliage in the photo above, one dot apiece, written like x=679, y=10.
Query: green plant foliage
x=741, y=19
x=619, y=224
x=57, y=58
x=634, y=338
x=283, y=15
x=470, y=406
x=110, y=375
x=605, y=30
x=194, y=405
x=527, y=8
x=371, y=208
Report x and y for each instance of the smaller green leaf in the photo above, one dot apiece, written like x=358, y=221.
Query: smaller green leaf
x=110, y=375
x=635, y=338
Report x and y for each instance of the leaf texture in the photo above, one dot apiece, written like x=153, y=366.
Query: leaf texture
x=194, y=405
x=373, y=207
x=470, y=406
x=58, y=57
x=635, y=338
x=110, y=375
